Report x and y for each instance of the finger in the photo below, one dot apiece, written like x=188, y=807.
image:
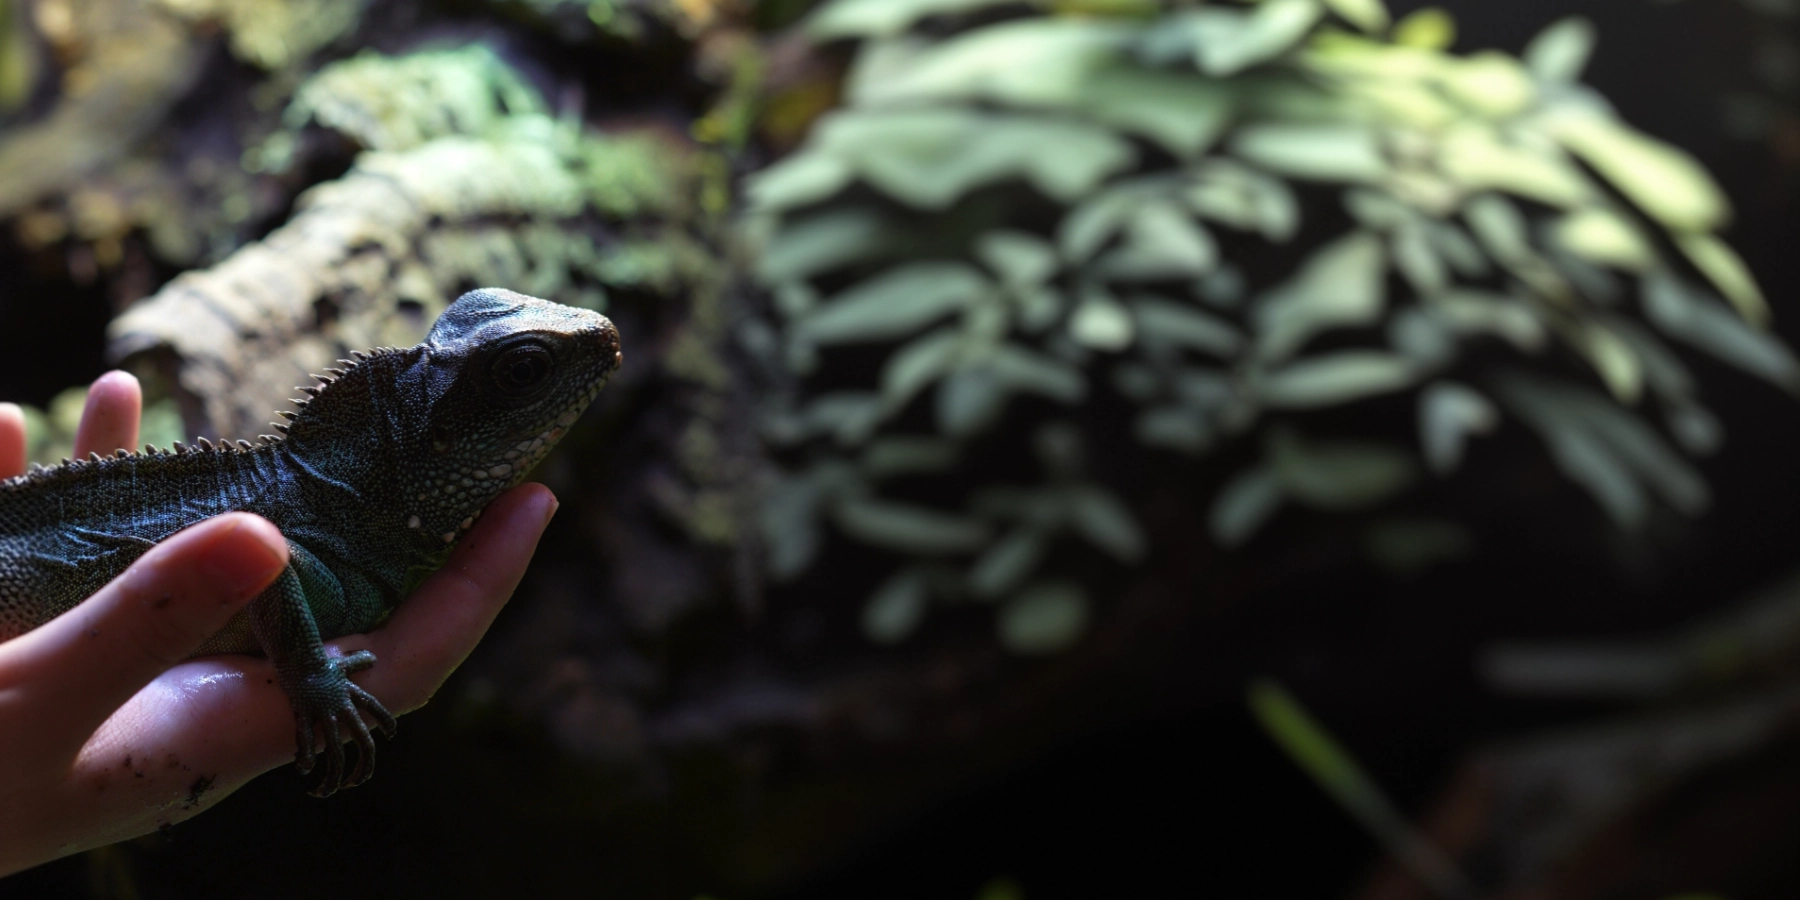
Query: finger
x=436, y=629
x=12, y=440
x=90, y=660
x=109, y=421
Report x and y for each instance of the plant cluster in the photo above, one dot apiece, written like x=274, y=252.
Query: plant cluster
x=1260, y=215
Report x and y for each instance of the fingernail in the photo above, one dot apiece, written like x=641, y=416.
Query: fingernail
x=550, y=511
x=240, y=560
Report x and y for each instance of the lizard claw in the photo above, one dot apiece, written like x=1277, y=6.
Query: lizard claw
x=330, y=701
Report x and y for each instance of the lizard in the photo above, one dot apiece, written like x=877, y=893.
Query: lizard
x=379, y=469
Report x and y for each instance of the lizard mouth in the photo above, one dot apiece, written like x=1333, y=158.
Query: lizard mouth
x=608, y=335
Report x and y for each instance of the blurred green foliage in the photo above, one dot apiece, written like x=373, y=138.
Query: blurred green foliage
x=1262, y=214
x=1311, y=747
x=50, y=432
x=468, y=133
x=18, y=63
x=273, y=34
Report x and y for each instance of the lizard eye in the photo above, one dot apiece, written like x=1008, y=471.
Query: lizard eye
x=521, y=371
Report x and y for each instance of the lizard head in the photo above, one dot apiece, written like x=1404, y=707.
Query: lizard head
x=500, y=378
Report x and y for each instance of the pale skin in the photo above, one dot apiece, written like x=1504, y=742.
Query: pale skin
x=108, y=731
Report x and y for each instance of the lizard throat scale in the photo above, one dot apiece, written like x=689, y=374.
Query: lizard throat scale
x=388, y=461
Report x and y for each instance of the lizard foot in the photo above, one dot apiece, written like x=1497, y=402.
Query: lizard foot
x=327, y=701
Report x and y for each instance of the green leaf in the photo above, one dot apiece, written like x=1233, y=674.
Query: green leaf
x=1338, y=475
x=1696, y=430
x=1680, y=312
x=1313, y=750
x=1093, y=222
x=1227, y=41
x=803, y=178
x=1613, y=358
x=1176, y=428
x=1662, y=370
x=1560, y=52
x=1103, y=520
x=1205, y=389
x=918, y=364
x=1019, y=258
x=1244, y=504
x=1417, y=259
x=1369, y=15
x=1379, y=210
x=1243, y=198
x=1023, y=370
x=1021, y=62
x=1341, y=286
x=1472, y=312
x=1490, y=83
x=1336, y=378
x=1038, y=508
x=1500, y=227
x=1183, y=114
x=1044, y=618
x=1718, y=262
x=1474, y=155
x=877, y=18
x=1426, y=29
x=1663, y=181
x=890, y=456
x=1164, y=321
x=1604, y=448
x=789, y=516
x=895, y=303
x=1448, y=413
x=1161, y=242
x=1328, y=152
x=815, y=244
x=908, y=529
x=1320, y=756
x=1458, y=249
x=896, y=608
x=970, y=399
x=1101, y=322
x=849, y=416
x=1422, y=338
x=1007, y=563
x=789, y=520
x=1039, y=308
x=1604, y=237
x=930, y=158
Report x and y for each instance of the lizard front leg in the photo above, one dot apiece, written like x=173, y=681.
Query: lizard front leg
x=318, y=686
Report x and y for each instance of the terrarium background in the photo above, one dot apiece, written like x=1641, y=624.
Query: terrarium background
x=650, y=720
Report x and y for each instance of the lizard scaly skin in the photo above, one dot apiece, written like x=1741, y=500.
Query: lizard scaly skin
x=392, y=458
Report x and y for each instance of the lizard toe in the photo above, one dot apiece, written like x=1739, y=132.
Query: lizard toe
x=334, y=760
x=355, y=662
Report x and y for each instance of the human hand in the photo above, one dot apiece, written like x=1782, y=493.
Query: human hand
x=108, y=731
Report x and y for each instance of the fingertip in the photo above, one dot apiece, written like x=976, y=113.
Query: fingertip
x=538, y=500
x=243, y=553
x=109, y=419
x=116, y=380
x=529, y=505
x=12, y=440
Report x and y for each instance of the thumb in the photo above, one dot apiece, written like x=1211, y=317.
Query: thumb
x=83, y=665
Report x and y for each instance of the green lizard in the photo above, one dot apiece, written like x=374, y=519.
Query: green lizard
x=392, y=457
